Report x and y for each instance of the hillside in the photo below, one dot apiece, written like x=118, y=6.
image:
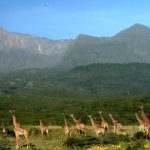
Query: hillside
x=47, y=93
x=98, y=80
x=19, y=51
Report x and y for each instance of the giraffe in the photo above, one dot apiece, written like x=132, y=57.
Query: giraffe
x=43, y=128
x=19, y=130
x=67, y=127
x=141, y=123
x=4, y=129
x=118, y=128
x=143, y=115
x=146, y=121
x=97, y=128
x=80, y=126
x=104, y=123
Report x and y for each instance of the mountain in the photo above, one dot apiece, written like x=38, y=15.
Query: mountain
x=129, y=45
x=19, y=51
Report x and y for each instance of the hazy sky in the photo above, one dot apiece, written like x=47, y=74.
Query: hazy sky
x=63, y=19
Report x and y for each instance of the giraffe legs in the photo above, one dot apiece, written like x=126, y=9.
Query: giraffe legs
x=47, y=132
x=17, y=141
x=70, y=134
x=81, y=132
x=42, y=132
x=114, y=128
x=27, y=140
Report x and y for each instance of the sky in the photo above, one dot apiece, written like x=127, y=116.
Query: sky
x=65, y=19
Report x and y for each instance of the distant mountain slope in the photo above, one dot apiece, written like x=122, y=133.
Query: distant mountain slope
x=130, y=45
x=100, y=80
x=19, y=51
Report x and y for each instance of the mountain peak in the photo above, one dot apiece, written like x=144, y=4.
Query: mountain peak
x=139, y=26
x=135, y=31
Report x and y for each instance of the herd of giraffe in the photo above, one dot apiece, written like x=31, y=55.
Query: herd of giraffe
x=118, y=128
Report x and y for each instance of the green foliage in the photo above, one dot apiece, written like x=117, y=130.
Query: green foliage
x=5, y=144
x=47, y=93
x=105, y=139
x=139, y=136
x=111, y=138
x=124, y=138
x=135, y=146
x=81, y=142
x=31, y=108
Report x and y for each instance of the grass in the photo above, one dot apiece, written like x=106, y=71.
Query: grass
x=56, y=140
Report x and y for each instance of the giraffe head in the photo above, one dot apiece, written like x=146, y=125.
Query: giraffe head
x=141, y=107
x=12, y=112
x=90, y=116
x=100, y=112
x=71, y=115
x=110, y=115
x=140, y=112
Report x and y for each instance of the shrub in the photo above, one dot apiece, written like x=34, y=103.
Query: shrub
x=105, y=139
x=124, y=138
x=139, y=136
x=135, y=146
x=109, y=138
x=81, y=142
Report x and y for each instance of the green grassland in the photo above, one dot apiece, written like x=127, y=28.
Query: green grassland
x=57, y=141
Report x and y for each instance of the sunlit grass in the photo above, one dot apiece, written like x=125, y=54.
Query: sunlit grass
x=56, y=140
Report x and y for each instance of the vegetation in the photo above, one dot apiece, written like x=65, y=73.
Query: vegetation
x=57, y=141
x=29, y=108
x=95, y=80
x=44, y=93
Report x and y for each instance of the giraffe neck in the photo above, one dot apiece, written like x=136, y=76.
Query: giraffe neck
x=113, y=120
x=41, y=124
x=145, y=118
x=14, y=120
x=65, y=121
x=138, y=119
x=92, y=121
x=102, y=117
x=75, y=120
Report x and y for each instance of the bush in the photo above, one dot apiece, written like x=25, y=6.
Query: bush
x=81, y=142
x=109, y=138
x=135, y=146
x=105, y=139
x=139, y=136
x=124, y=138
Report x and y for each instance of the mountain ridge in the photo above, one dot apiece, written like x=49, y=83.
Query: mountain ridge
x=129, y=45
x=19, y=51
x=29, y=51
